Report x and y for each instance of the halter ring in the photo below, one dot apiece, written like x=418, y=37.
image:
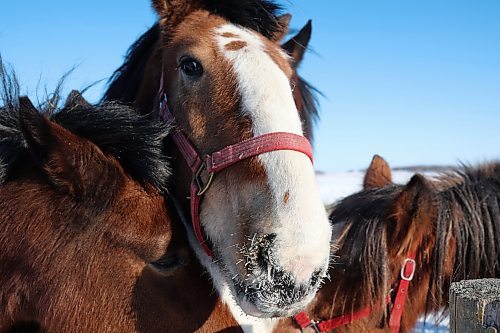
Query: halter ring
x=202, y=188
x=413, y=268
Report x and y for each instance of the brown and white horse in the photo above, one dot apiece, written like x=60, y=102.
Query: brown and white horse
x=227, y=79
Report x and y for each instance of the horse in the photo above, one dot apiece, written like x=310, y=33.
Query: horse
x=86, y=237
x=399, y=247
x=242, y=178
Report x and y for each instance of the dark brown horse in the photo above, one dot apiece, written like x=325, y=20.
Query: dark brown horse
x=451, y=224
x=86, y=238
x=228, y=79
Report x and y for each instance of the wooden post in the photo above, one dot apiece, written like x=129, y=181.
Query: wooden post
x=475, y=306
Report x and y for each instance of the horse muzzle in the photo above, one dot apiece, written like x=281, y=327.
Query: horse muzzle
x=267, y=289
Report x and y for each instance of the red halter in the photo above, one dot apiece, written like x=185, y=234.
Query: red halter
x=407, y=273
x=223, y=158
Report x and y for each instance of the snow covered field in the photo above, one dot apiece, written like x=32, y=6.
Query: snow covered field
x=335, y=186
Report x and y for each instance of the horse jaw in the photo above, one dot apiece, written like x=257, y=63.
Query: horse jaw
x=295, y=230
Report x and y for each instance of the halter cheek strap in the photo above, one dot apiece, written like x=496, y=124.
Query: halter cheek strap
x=223, y=158
x=406, y=275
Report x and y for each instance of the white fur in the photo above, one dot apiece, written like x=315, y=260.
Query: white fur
x=301, y=223
x=247, y=323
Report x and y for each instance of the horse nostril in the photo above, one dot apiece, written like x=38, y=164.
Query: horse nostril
x=259, y=255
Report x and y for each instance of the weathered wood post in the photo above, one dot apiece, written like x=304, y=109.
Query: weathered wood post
x=475, y=306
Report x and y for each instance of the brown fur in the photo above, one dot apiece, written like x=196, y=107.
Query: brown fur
x=378, y=173
x=452, y=223
x=77, y=232
x=86, y=247
x=235, y=45
x=208, y=109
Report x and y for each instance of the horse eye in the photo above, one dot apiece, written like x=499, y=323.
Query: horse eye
x=191, y=67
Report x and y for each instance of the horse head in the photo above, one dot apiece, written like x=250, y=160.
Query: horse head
x=95, y=184
x=377, y=233
x=227, y=79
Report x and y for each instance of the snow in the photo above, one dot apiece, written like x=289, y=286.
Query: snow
x=335, y=186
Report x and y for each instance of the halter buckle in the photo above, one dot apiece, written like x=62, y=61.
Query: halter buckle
x=412, y=272
x=202, y=188
x=314, y=325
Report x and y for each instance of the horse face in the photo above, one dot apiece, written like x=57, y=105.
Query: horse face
x=263, y=216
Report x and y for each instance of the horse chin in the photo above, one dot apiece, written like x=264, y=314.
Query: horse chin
x=259, y=305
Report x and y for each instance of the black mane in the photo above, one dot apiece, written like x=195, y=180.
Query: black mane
x=468, y=206
x=309, y=112
x=135, y=141
x=365, y=244
x=125, y=82
x=469, y=210
x=258, y=15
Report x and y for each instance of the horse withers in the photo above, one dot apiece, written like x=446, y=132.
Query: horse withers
x=399, y=247
x=225, y=80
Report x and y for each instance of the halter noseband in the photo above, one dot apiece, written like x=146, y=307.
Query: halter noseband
x=223, y=158
x=407, y=272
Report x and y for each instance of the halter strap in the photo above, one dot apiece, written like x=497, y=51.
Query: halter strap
x=223, y=158
x=406, y=275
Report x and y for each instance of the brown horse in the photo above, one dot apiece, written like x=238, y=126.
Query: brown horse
x=229, y=80
x=79, y=223
x=86, y=238
x=450, y=224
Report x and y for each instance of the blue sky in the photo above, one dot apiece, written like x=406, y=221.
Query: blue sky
x=417, y=82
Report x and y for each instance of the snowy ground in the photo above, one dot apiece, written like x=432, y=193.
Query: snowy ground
x=335, y=186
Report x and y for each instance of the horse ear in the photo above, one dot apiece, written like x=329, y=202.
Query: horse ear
x=35, y=128
x=172, y=12
x=297, y=45
x=378, y=174
x=413, y=211
x=75, y=99
x=62, y=156
x=283, y=24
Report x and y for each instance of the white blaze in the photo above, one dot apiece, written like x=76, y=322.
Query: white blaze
x=303, y=231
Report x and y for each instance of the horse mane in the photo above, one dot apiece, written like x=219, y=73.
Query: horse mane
x=124, y=84
x=469, y=212
x=309, y=111
x=134, y=140
x=468, y=216
x=365, y=216
x=258, y=15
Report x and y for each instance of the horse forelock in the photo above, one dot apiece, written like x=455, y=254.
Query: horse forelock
x=258, y=15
